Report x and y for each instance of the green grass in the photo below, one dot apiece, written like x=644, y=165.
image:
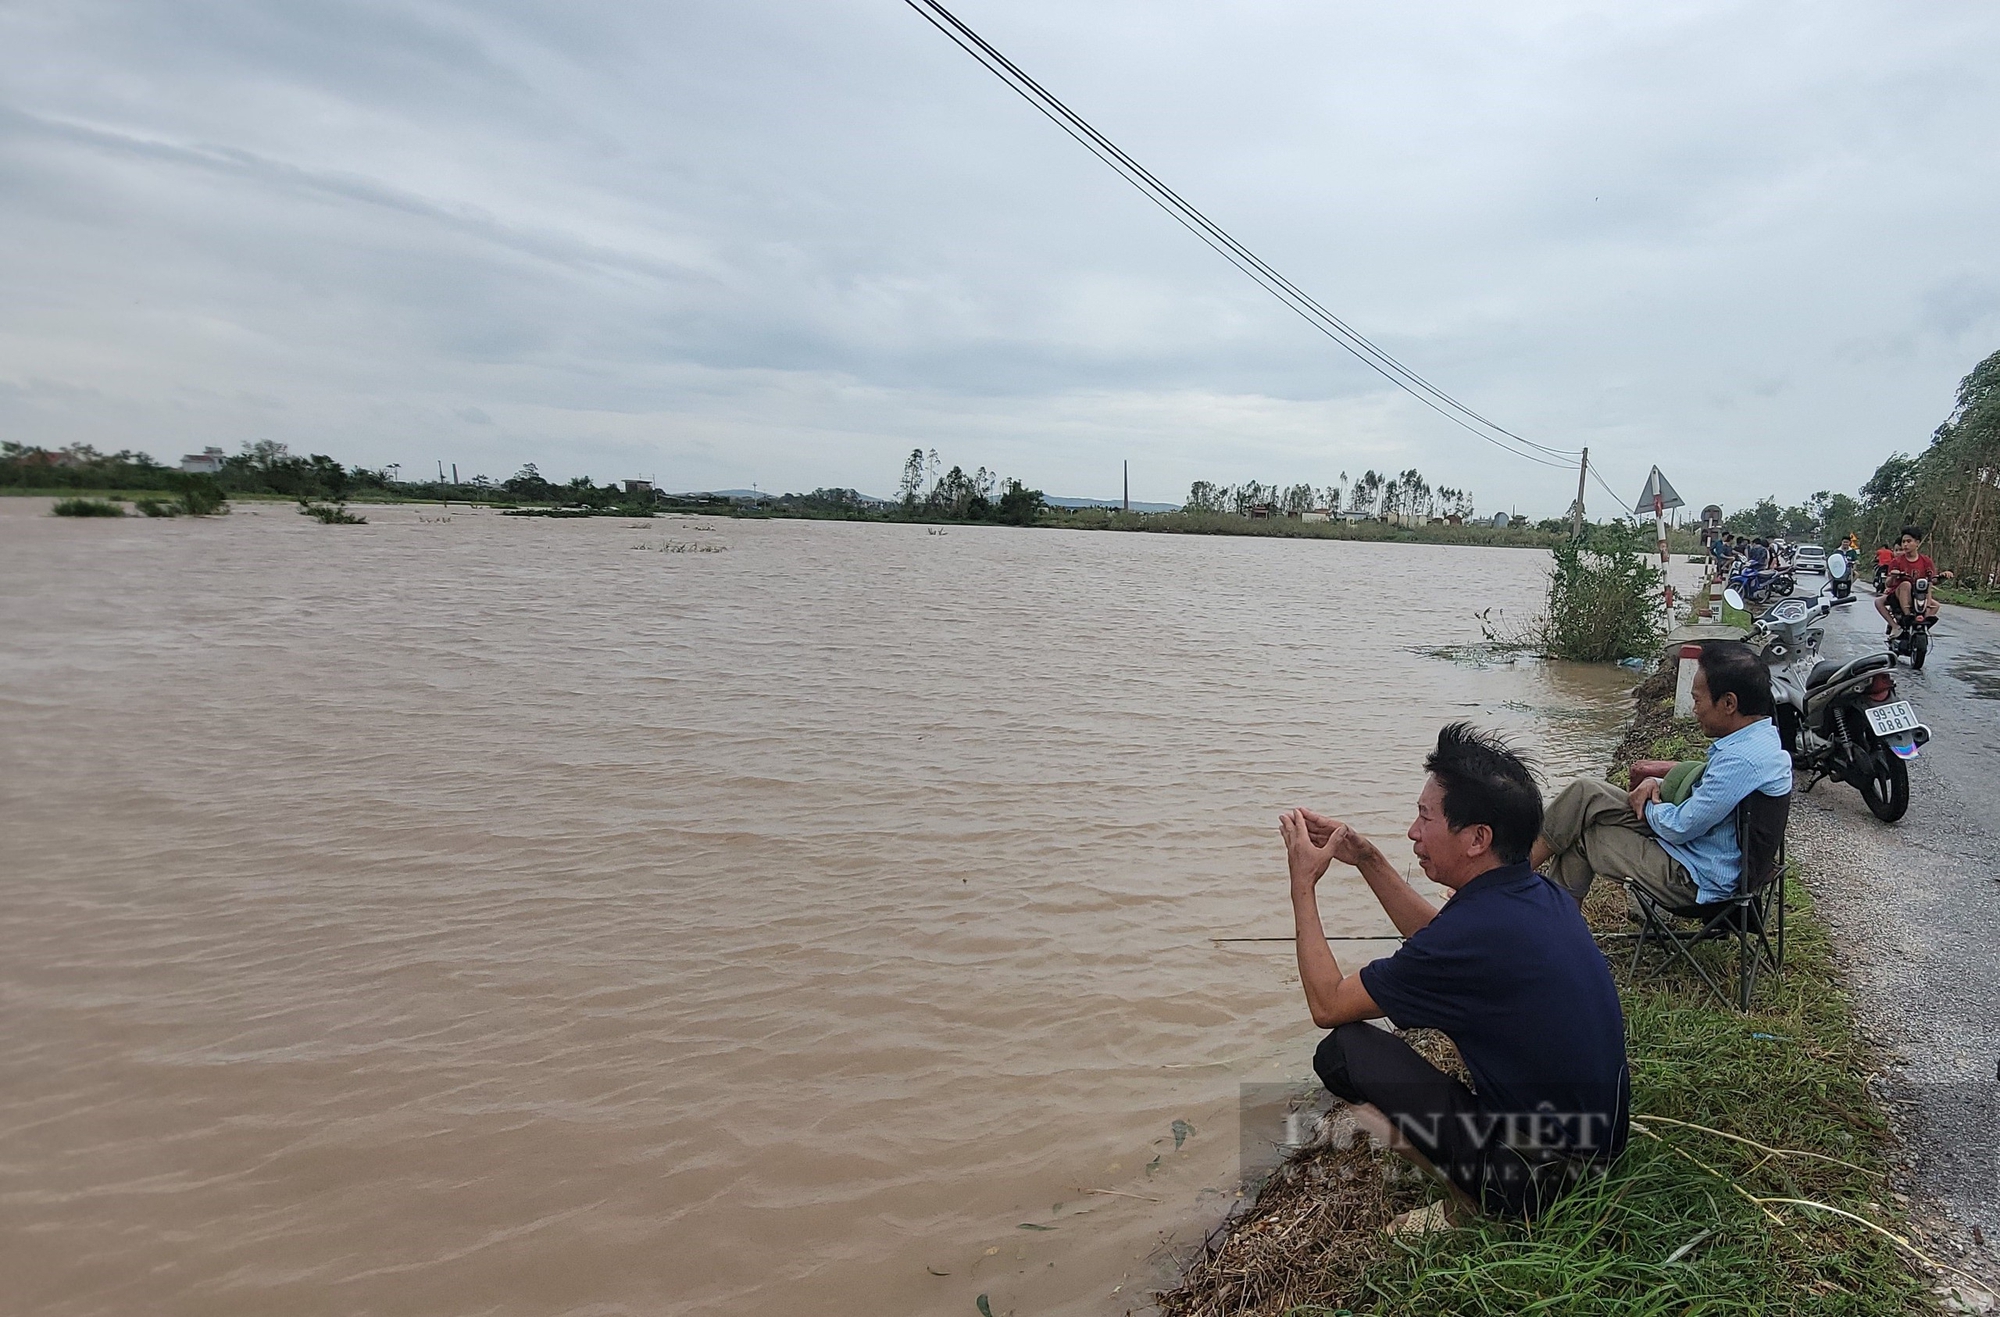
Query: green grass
x=86, y=507
x=1965, y=597
x=121, y=495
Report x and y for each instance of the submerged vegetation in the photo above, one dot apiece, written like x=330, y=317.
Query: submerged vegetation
x=330, y=514
x=86, y=507
x=1604, y=597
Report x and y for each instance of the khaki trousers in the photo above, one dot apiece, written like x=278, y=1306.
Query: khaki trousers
x=1592, y=833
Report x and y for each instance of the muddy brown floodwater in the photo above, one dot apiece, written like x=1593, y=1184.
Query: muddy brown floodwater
x=505, y=916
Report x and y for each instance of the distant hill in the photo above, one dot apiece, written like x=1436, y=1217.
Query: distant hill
x=753, y=495
x=1137, y=506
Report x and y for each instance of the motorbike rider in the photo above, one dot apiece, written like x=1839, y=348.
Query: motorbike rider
x=1905, y=569
x=1720, y=549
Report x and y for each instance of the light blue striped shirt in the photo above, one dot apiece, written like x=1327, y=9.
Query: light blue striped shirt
x=1700, y=832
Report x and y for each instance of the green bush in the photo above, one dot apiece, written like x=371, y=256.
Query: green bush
x=159, y=507
x=86, y=507
x=200, y=496
x=1604, y=597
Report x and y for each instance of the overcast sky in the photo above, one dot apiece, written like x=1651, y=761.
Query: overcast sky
x=782, y=243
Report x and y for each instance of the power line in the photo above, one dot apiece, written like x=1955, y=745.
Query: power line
x=1609, y=490
x=1219, y=240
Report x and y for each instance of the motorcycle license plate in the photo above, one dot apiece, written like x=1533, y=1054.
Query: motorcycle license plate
x=1888, y=719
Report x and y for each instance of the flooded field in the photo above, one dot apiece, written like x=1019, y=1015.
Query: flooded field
x=512, y=916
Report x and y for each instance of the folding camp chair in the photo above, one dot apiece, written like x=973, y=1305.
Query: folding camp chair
x=1753, y=919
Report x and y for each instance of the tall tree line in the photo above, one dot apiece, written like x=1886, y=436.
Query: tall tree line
x=1371, y=494
x=1952, y=488
x=1951, y=491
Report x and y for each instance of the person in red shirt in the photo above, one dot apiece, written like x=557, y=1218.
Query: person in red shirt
x=1905, y=569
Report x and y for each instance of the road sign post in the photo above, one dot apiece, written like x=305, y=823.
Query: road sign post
x=1657, y=497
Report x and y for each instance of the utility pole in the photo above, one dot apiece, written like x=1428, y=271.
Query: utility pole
x=1576, y=513
x=1128, y=484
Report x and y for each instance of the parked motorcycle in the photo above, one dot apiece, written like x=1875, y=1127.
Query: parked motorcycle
x=1842, y=720
x=1913, y=634
x=1759, y=587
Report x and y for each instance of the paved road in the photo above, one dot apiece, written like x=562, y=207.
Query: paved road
x=1915, y=907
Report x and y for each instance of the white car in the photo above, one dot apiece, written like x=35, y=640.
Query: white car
x=1810, y=558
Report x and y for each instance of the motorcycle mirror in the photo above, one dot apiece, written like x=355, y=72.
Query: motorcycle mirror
x=1734, y=598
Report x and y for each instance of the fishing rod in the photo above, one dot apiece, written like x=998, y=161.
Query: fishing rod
x=1334, y=937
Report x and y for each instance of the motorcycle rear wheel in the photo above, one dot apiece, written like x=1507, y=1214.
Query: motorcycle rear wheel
x=1885, y=788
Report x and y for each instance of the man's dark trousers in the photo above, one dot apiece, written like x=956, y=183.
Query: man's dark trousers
x=1440, y=1116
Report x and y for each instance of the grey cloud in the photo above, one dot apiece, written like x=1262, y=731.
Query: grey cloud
x=777, y=242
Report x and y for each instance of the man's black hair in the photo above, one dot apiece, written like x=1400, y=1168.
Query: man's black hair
x=1484, y=781
x=1733, y=668
x=1913, y=533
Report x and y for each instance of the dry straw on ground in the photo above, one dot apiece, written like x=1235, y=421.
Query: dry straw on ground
x=1318, y=1223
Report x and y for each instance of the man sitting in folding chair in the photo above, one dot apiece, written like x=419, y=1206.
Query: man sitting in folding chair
x=1683, y=858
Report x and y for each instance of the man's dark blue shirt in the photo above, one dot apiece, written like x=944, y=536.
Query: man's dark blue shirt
x=1508, y=969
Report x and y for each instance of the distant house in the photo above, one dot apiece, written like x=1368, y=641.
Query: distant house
x=639, y=488
x=1453, y=519
x=1316, y=514
x=1501, y=521
x=205, y=463
x=1518, y=521
x=1262, y=511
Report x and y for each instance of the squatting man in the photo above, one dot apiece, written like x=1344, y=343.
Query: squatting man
x=1506, y=968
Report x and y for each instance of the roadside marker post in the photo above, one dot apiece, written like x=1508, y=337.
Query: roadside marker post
x=1684, y=681
x=1658, y=496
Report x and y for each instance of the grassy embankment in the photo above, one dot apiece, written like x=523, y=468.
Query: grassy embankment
x=1969, y=598
x=1289, y=528
x=1755, y=1181
x=235, y=496
x=1680, y=540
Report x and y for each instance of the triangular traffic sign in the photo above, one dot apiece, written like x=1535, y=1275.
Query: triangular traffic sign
x=1657, y=484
